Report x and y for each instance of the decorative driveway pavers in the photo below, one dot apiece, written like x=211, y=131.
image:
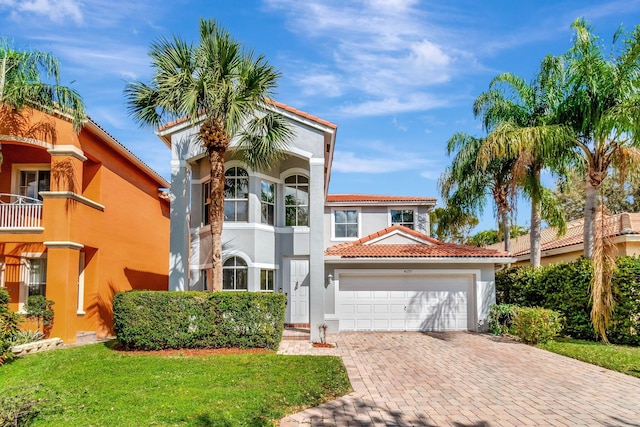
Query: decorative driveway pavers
x=464, y=380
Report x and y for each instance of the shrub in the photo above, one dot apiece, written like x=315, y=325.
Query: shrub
x=26, y=337
x=501, y=318
x=40, y=308
x=148, y=320
x=9, y=322
x=537, y=325
x=20, y=406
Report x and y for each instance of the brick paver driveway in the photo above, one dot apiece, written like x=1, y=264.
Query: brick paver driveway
x=464, y=379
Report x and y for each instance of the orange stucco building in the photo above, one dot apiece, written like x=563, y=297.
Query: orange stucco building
x=81, y=218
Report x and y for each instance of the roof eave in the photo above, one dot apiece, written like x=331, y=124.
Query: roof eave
x=434, y=260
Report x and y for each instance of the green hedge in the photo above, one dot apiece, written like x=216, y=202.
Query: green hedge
x=9, y=322
x=151, y=320
x=564, y=287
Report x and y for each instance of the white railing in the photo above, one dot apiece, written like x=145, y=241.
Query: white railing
x=19, y=212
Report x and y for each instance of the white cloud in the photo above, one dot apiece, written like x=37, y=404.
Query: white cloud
x=398, y=125
x=56, y=10
x=394, y=105
x=350, y=162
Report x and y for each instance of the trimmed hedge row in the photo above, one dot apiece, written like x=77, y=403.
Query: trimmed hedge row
x=564, y=287
x=152, y=320
x=532, y=325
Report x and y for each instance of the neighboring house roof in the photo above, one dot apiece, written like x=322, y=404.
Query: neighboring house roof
x=615, y=225
x=407, y=243
x=378, y=199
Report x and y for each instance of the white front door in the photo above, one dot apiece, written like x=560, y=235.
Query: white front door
x=297, y=289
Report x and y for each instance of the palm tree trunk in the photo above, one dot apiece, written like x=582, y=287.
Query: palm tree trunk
x=536, y=225
x=590, y=206
x=506, y=224
x=216, y=213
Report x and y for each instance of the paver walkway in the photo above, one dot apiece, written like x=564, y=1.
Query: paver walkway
x=464, y=380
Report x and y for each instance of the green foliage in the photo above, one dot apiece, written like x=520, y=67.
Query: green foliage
x=40, y=308
x=501, y=318
x=535, y=325
x=20, y=406
x=97, y=386
x=9, y=322
x=565, y=287
x=489, y=237
x=450, y=224
x=26, y=337
x=147, y=320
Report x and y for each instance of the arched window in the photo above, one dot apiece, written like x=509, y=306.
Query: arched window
x=234, y=274
x=236, y=194
x=296, y=200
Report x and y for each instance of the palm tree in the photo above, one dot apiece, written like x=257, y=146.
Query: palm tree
x=32, y=79
x=222, y=88
x=521, y=121
x=466, y=186
x=602, y=106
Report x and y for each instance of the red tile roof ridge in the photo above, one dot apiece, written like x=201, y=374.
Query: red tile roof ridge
x=352, y=197
x=268, y=101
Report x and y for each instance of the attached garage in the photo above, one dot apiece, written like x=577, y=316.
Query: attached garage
x=404, y=301
x=402, y=280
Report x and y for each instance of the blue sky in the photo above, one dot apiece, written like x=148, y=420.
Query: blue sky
x=398, y=77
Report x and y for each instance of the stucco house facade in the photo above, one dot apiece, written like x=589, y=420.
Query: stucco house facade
x=81, y=218
x=349, y=261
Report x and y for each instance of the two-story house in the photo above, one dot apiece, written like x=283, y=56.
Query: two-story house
x=352, y=262
x=81, y=218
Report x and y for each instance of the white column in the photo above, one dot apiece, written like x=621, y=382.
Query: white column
x=316, y=246
x=179, y=229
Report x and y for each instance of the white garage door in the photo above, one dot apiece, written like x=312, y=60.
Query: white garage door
x=405, y=303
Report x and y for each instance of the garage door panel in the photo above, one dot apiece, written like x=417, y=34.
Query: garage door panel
x=431, y=303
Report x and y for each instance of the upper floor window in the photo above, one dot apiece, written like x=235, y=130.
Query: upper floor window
x=206, y=202
x=403, y=217
x=236, y=194
x=34, y=181
x=345, y=223
x=234, y=274
x=296, y=200
x=267, y=202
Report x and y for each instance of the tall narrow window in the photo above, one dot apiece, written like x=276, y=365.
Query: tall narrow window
x=236, y=194
x=296, y=200
x=267, y=202
x=266, y=280
x=37, y=276
x=33, y=181
x=234, y=274
x=402, y=217
x=345, y=223
x=206, y=202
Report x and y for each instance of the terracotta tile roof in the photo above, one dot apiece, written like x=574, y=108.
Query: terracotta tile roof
x=428, y=248
x=275, y=104
x=374, y=198
x=616, y=225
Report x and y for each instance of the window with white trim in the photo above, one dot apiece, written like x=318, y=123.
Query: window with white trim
x=404, y=217
x=234, y=274
x=37, y=284
x=296, y=200
x=267, y=202
x=32, y=182
x=345, y=223
x=236, y=195
x=206, y=201
x=266, y=280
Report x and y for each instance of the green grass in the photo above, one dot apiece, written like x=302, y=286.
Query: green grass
x=615, y=357
x=96, y=386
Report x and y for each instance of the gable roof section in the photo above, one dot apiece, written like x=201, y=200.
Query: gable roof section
x=375, y=199
x=615, y=225
x=418, y=246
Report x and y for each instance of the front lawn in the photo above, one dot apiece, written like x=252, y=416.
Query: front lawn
x=615, y=357
x=96, y=386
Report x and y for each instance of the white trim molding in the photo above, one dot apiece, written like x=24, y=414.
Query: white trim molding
x=61, y=244
x=67, y=150
x=333, y=224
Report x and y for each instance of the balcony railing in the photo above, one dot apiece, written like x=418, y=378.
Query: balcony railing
x=19, y=212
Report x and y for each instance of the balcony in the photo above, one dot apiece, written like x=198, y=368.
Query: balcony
x=19, y=213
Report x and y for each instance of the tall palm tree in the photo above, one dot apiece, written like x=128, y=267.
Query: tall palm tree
x=32, y=79
x=521, y=121
x=602, y=106
x=466, y=186
x=223, y=89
